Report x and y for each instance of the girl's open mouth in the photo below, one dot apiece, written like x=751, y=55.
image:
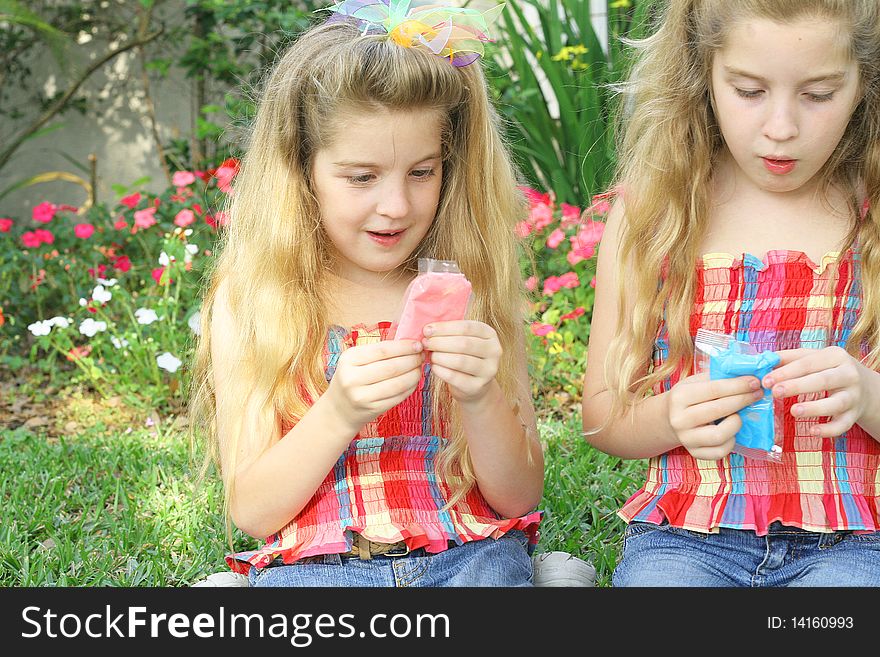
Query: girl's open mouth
x=386, y=237
x=779, y=167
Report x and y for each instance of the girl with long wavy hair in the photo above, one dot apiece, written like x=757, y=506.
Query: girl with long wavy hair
x=361, y=461
x=749, y=205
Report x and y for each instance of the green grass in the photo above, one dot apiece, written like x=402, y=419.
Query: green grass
x=108, y=508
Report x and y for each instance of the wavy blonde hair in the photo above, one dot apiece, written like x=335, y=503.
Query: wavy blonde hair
x=669, y=140
x=274, y=256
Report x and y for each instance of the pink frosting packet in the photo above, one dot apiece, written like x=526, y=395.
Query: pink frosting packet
x=439, y=293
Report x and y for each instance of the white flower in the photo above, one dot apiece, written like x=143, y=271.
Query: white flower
x=195, y=322
x=41, y=328
x=191, y=250
x=89, y=327
x=60, y=322
x=83, y=302
x=188, y=232
x=101, y=295
x=168, y=362
x=118, y=343
x=107, y=282
x=145, y=316
x=164, y=259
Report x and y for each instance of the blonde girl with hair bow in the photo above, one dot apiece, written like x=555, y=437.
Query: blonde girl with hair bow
x=358, y=461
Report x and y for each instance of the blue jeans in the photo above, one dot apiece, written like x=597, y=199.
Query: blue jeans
x=487, y=562
x=661, y=555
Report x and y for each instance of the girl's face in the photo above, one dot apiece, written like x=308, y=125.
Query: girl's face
x=378, y=186
x=783, y=95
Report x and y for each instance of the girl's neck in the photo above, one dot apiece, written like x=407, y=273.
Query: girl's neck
x=365, y=300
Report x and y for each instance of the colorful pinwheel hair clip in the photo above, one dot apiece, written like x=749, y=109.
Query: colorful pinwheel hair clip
x=454, y=33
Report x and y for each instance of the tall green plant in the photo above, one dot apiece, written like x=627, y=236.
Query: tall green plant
x=552, y=76
x=553, y=80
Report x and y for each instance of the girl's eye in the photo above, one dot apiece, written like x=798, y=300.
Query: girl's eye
x=821, y=98
x=362, y=179
x=748, y=93
x=422, y=173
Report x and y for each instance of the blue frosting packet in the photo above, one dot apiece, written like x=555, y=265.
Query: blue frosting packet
x=758, y=424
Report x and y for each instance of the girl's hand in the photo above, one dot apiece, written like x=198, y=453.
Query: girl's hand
x=465, y=354
x=695, y=403
x=373, y=378
x=830, y=370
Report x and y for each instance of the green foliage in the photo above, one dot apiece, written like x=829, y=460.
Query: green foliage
x=115, y=289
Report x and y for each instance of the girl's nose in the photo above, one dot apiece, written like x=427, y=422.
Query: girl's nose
x=781, y=124
x=393, y=200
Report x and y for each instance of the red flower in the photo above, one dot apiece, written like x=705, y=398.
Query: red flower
x=44, y=212
x=102, y=269
x=122, y=263
x=157, y=276
x=83, y=231
x=120, y=224
x=44, y=235
x=2, y=318
x=5, y=225
x=131, y=200
x=535, y=197
x=577, y=312
x=33, y=239
x=542, y=329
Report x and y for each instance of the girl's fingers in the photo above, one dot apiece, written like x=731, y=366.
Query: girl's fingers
x=816, y=381
x=708, y=412
x=835, y=427
x=459, y=362
x=459, y=327
x=371, y=353
x=400, y=386
x=796, y=363
x=462, y=344
x=698, y=391
x=390, y=368
x=715, y=441
x=837, y=403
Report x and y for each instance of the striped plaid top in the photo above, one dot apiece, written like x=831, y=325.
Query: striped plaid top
x=821, y=484
x=384, y=486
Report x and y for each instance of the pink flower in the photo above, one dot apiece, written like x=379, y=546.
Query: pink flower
x=541, y=216
x=145, y=218
x=44, y=235
x=222, y=218
x=197, y=208
x=551, y=285
x=225, y=173
x=30, y=240
x=531, y=283
x=535, y=197
x=182, y=178
x=593, y=283
x=555, y=238
x=570, y=215
x=591, y=232
x=83, y=231
x=131, y=200
x=578, y=255
x=523, y=229
x=120, y=224
x=542, y=329
x=44, y=212
x=569, y=280
x=5, y=225
x=184, y=218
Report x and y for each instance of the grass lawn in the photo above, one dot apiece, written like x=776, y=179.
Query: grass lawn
x=107, y=506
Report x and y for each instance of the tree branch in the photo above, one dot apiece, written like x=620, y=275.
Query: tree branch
x=61, y=102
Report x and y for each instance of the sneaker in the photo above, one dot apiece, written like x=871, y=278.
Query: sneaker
x=561, y=569
x=227, y=578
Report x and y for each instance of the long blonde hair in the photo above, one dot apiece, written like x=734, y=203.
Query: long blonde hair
x=274, y=256
x=669, y=141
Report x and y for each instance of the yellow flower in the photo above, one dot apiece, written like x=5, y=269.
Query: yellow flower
x=620, y=4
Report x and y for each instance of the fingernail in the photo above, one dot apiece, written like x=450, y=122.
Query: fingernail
x=768, y=382
x=417, y=346
x=428, y=330
x=778, y=391
x=797, y=410
x=758, y=394
x=754, y=384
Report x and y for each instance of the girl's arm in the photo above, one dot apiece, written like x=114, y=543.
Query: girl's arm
x=503, y=442
x=272, y=475
x=683, y=415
